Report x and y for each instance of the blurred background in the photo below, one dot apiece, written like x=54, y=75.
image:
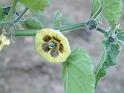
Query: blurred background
x=22, y=70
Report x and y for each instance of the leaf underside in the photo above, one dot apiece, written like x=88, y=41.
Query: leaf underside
x=78, y=76
x=109, y=58
x=36, y=5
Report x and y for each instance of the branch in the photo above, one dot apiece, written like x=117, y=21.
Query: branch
x=25, y=10
x=62, y=29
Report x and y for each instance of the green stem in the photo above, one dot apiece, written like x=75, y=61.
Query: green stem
x=62, y=29
x=105, y=32
x=72, y=27
x=26, y=32
x=11, y=10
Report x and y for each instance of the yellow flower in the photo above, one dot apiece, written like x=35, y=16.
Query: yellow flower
x=3, y=41
x=52, y=45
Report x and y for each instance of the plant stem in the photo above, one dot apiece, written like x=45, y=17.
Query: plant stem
x=62, y=29
x=26, y=32
x=72, y=27
x=11, y=10
x=105, y=32
x=20, y=16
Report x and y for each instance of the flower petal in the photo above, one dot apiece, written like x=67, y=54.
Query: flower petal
x=2, y=37
x=7, y=42
x=3, y=41
x=52, y=56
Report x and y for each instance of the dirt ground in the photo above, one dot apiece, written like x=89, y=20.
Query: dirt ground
x=22, y=70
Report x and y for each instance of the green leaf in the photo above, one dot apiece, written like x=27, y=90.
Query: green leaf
x=121, y=35
x=2, y=15
x=36, y=5
x=109, y=58
x=112, y=11
x=96, y=8
x=78, y=75
x=31, y=23
x=58, y=19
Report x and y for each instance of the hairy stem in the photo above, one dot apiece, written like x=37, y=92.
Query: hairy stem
x=89, y=24
x=105, y=32
x=21, y=15
x=72, y=27
x=62, y=29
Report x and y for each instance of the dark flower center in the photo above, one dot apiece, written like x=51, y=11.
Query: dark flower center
x=53, y=44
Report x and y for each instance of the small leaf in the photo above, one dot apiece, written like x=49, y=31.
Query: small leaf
x=31, y=23
x=2, y=15
x=96, y=8
x=36, y=5
x=121, y=35
x=78, y=75
x=112, y=11
x=58, y=19
x=109, y=58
